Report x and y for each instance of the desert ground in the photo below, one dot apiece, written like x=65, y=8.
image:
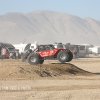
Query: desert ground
x=75, y=80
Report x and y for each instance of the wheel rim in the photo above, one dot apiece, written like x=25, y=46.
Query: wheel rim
x=33, y=59
x=63, y=56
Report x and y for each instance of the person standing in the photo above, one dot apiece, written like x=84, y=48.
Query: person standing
x=3, y=53
x=11, y=55
x=14, y=55
x=17, y=54
x=75, y=54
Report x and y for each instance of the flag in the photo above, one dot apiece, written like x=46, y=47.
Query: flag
x=24, y=41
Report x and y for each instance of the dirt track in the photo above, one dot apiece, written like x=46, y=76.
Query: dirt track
x=50, y=81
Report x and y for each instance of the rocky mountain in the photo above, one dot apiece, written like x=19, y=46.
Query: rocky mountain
x=48, y=27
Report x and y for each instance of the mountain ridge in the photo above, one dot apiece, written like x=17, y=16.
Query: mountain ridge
x=48, y=27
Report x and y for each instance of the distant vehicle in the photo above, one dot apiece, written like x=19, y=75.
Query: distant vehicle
x=48, y=51
x=9, y=47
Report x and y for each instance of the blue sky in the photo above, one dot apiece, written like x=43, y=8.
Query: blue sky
x=81, y=8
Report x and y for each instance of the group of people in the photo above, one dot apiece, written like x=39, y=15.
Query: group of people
x=14, y=55
x=5, y=53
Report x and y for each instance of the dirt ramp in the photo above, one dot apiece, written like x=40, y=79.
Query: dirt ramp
x=55, y=69
x=25, y=71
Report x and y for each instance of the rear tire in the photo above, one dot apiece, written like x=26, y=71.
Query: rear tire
x=70, y=56
x=33, y=59
x=63, y=56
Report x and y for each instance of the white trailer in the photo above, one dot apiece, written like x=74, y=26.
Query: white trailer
x=20, y=47
x=95, y=49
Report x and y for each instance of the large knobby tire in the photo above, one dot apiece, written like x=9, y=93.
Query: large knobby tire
x=33, y=59
x=63, y=56
x=70, y=56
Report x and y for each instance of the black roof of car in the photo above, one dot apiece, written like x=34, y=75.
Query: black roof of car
x=7, y=45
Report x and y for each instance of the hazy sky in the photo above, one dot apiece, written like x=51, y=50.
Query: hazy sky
x=81, y=8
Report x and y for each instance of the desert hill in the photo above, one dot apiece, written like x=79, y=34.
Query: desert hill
x=48, y=27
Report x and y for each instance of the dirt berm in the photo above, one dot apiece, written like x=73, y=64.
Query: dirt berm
x=18, y=70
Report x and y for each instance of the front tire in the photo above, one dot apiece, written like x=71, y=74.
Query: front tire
x=33, y=59
x=63, y=56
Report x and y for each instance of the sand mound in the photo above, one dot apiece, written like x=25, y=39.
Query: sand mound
x=17, y=69
x=61, y=69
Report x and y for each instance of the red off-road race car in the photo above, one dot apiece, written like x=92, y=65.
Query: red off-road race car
x=44, y=52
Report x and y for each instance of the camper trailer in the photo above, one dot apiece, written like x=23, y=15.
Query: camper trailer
x=95, y=49
x=80, y=49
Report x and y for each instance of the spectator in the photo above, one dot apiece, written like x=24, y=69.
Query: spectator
x=11, y=55
x=17, y=54
x=75, y=54
x=14, y=55
x=3, y=53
